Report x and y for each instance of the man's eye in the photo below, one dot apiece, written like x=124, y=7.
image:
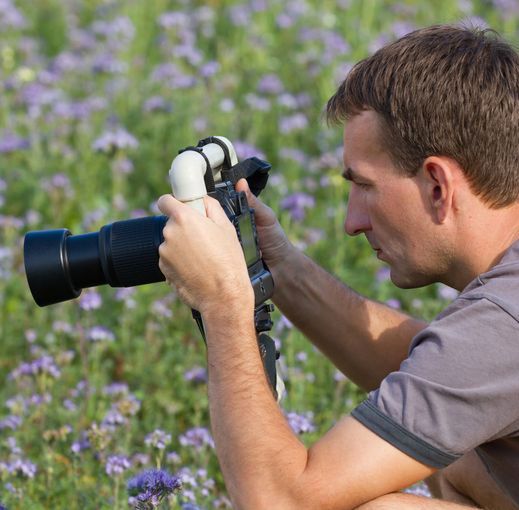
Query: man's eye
x=362, y=185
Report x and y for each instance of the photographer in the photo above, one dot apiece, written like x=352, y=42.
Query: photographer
x=431, y=151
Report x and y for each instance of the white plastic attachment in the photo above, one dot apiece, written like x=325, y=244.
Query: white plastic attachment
x=188, y=168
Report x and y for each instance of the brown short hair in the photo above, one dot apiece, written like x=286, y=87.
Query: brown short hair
x=444, y=90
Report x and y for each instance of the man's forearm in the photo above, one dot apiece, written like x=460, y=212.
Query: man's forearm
x=366, y=340
x=249, y=430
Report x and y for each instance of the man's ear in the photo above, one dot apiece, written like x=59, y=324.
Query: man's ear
x=440, y=177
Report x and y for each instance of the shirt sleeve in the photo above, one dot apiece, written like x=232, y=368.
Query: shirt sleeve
x=458, y=388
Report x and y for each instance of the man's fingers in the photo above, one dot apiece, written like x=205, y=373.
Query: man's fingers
x=214, y=211
x=168, y=204
x=243, y=185
x=172, y=207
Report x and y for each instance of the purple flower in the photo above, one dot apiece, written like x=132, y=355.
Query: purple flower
x=100, y=334
x=245, y=150
x=158, y=439
x=116, y=465
x=22, y=467
x=156, y=104
x=43, y=365
x=240, y=15
x=270, y=84
x=209, y=69
x=90, y=300
x=383, y=274
x=10, y=422
x=11, y=143
x=150, y=487
x=197, y=437
x=394, y=303
x=173, y=19
x=196, y=375
x=80, y=445
x=113, y=418
x=447, y=293
x=256, y=102
x=296, y=204
x=292, y=123
x=116, y=388
x=113, y=140
x=10, y=16
x=301, y=423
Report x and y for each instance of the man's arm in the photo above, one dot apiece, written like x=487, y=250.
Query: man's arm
x=263, y=462
x=366, y=340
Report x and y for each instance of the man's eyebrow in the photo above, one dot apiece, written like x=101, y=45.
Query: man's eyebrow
x=349, y=174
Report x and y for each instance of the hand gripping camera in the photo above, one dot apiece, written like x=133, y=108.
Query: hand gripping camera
x=59, y=265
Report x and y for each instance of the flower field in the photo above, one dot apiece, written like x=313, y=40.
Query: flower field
x=103, y=401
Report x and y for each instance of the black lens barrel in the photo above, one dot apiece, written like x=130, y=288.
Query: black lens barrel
x=59, y=265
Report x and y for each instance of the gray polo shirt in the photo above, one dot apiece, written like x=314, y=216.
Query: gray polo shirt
x=458, y=390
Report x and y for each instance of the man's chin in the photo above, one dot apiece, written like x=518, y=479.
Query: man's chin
x=408, y=280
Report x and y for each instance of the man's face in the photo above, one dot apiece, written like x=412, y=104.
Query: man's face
x=389, y=208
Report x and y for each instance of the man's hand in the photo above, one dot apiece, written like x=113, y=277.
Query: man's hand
x=202, y=257
x=274, y=244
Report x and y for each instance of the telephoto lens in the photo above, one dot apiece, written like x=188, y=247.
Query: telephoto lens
x=60, y=265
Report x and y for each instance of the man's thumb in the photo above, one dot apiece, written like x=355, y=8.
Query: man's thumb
x=243, y=185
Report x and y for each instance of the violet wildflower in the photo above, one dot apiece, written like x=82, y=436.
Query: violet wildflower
x=301, y=423
x=173, y=458
x=12, y=143
x=256, y=102
x=58, y=182
x=150, y=487
x=90, y=300
x=10, y=16
x=100, y=334
x=270, y=84
x=11, y=422
x=112, y=140
x=447, y=293
x=209, y=69
x=295, y=122
x=240, y=15
x=43, y=365
x=383, y=274
x=113, y=418
x=197, y=437
x=156, y=104
x=22, y=467
x=116, y=465
x=227, y=105
x=296, y=204
x=394, y=303
x=129, y=405
x=140, y=459
x=81, y=444
x=245, y=150
x=196, y=375
x=116, y=389
x=173, y=19
x=158, y=439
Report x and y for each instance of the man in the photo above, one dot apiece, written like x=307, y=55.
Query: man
x=431, y=150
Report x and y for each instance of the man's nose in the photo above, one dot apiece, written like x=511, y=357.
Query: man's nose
x=357, y=218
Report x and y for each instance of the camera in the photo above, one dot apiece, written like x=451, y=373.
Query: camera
x=58, y=265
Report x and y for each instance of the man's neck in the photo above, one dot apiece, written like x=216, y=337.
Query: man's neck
x=483, y=245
